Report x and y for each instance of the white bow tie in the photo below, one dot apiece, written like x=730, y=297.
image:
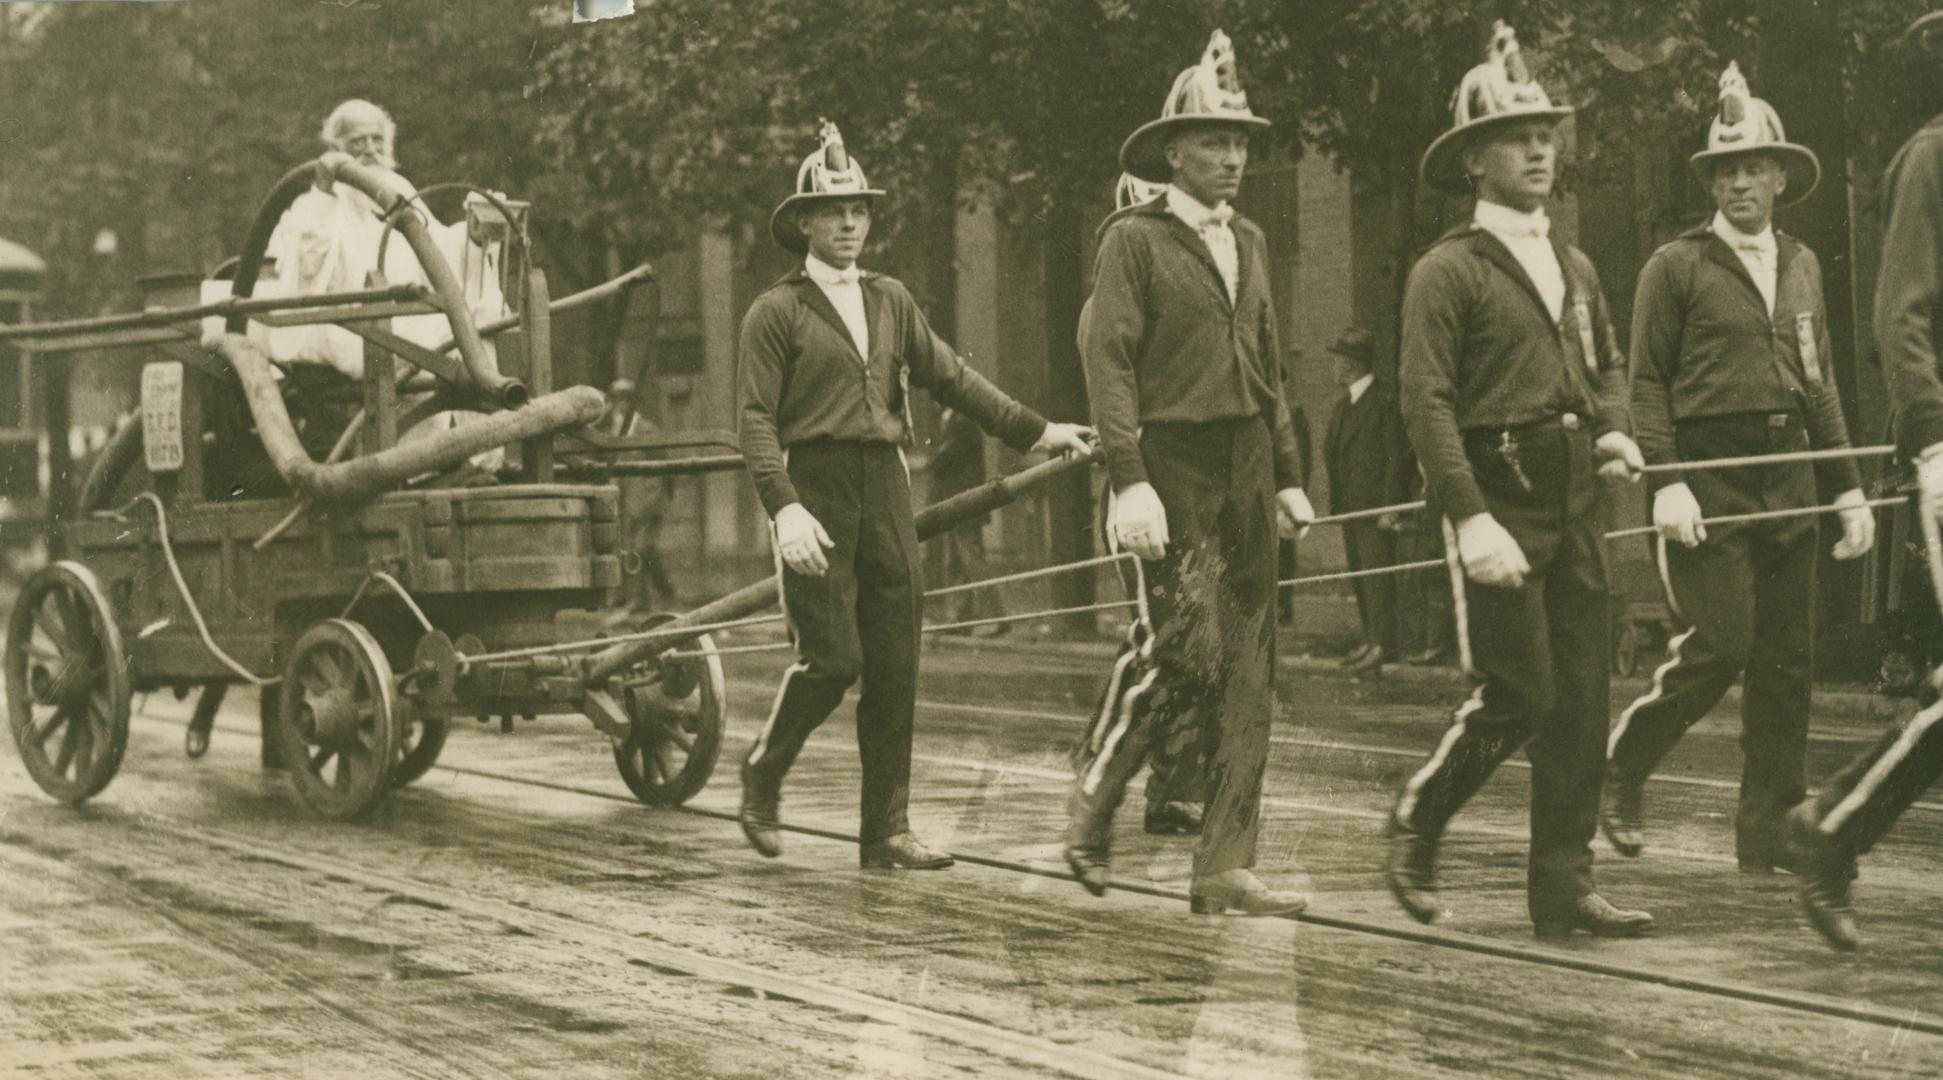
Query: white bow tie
x=1754, y=244
x=849, y=275
x=1531, y=228
x=1218, y=217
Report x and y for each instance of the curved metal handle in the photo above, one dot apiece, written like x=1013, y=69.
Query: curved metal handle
x=447, y=293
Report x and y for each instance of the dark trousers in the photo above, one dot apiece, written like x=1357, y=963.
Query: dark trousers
x=1367, y=547
x=1858, y=804
x=1213, y=648
x=1540, y=653
x=859, y=621
x=1742, y=577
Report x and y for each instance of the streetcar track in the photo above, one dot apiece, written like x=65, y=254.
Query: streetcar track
x=979, y=1036
x=135, y=899
x=1538, y=956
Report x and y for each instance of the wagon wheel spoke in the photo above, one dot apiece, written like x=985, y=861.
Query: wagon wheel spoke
x=49, y=623
x=68, y=746
x=313, y=681
x=77, y=618
x=40, y=737
x=320, y=759
x=669, y=768
x=665, y=729
x=327, y=666
x=82, y=733
x=342, y=781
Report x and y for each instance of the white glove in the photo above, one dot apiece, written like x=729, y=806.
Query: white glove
x=1929, y=479
x=1621, y=455
x=1858, y=524
x=1293, y=513
x=802, y=541
x=1676, y=513
x=1489, y=554
x=1140, y=522
x=1065, y=439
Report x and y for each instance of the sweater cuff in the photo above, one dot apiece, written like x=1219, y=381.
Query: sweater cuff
x=1022, y=433
x=1125, y=470
x=1462, y=499
x=778, y=495
x=1837, y=475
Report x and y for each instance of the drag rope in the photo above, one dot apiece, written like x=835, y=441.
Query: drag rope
x=948, y=590
x=392, y=582
x=1374, y=511
x=1787, y=458
x=1347, y=575
x=589, y=644
x=338, y=448
x=182, y=586
x=1763, y=515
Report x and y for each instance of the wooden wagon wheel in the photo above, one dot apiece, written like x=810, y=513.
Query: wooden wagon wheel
x=67, y=682
x=676, y=707
x=337, y=721
x=421, y=737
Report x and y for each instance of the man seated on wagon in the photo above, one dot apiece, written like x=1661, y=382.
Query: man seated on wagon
x=329, y=238
x=328, y=241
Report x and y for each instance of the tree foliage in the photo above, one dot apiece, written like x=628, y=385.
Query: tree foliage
x=166, y=123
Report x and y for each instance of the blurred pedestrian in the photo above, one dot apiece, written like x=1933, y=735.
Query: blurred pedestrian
x=1367, y=456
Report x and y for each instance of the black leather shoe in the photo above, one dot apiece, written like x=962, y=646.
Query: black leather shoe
x=1359, y=655
x=1623, y=818
x=760, y=815
x=1242, y=893
x=1592, y=914
x=1174, y=819
x=903, y=851
x=1411, y=873
x=1825, y=876
x=1092, y=869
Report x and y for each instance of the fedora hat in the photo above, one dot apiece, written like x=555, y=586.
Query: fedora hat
x=1497, y=92
x=1208, y=93
x=1356, y=344
x=828, y=173
x=1744, y=124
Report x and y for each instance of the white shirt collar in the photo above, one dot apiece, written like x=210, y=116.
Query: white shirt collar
x=1360, y=387
x=824, y=274
x=1513, y=223
x=1740, y=241
x=1194, y=212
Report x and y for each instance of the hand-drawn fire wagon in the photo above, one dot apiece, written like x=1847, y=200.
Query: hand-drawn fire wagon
x=268, y=523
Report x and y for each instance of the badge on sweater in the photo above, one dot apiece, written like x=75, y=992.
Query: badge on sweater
x=1582, y=314
x=1805, y=341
